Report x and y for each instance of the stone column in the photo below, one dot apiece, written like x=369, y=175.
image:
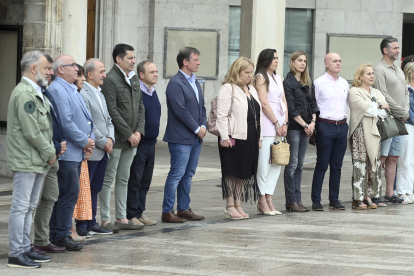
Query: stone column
x=262, y=26
x=74, y=29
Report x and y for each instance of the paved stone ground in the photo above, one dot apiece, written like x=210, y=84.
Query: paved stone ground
x=369, y=242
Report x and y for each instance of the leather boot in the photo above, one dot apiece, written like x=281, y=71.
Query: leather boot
x=303, y=207
x=293, y=207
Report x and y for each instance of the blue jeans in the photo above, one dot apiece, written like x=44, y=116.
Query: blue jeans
x=140, y=178
x=96, y=176
x=298, y=142
x=26, y=193
x=331, y=142
x=184, y=161
x=68, y=182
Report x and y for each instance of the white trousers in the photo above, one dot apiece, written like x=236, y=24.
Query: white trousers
x=267, y=174
x=405, y=165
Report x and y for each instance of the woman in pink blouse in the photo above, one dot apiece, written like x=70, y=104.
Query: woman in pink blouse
x=269, y=86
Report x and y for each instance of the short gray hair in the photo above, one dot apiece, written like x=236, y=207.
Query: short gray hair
x=29, y=59
x=141, y=66
x=386, y=43
x=56, y=64
x=89, y=65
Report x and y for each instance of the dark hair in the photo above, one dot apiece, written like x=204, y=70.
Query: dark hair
x=264, y=59
x=386, y=43
x=49, y=58
x=81, y=72
x=406, y=60
x=141, y=66
x=120, y=51
x=185, y=54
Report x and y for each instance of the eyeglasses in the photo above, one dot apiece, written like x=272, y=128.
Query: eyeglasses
x=71, y=65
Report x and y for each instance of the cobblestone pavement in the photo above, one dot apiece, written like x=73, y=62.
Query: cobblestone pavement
x=350, y=242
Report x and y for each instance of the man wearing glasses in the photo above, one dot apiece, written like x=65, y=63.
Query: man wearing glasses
x=77, y=131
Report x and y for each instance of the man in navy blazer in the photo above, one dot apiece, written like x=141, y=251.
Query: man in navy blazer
x=184, y=133
x=50, y=189
x=78, y=132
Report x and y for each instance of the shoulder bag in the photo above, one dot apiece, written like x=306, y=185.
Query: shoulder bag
x=279, y=152
x=390, y=126
x=212, y=116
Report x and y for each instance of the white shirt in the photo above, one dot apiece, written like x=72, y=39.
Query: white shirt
x=129, y=77
x=96, y=91
x=373, y=111
x=35, y=86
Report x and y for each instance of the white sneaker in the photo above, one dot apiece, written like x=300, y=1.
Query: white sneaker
x=409, y=198
x=405, y=198
x=412, y=197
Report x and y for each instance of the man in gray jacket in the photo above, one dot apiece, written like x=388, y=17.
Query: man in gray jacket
x=104, y=140
x=122, y=92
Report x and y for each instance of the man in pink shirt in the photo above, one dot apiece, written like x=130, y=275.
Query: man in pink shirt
x=331, y=93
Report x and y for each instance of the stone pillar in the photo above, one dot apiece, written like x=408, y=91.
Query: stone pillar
x=74, y=29
x=42, y=26
x=262, y=26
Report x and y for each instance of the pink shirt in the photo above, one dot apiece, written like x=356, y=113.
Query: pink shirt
x=275, y=100
x=332, y=97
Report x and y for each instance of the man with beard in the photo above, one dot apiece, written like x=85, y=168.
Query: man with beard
x=390, y=80
x=77, y=131
x=30, y=153
x=50, y=190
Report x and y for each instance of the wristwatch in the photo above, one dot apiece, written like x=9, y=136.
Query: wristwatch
x=312, y=120
x=380, y=105
x=286, y=123
x=306, y=126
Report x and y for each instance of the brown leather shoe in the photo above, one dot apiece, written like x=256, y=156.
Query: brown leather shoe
x=303, y=207
x=37, y=250
x=189, y=215
x=294, y=207
x=170, y=217
x=51, y=248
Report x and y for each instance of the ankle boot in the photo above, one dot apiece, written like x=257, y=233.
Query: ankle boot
x=303, y=207
x=293, y=207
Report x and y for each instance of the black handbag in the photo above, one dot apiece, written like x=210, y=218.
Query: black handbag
x=390, y=126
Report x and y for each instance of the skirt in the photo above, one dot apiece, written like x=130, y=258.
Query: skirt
x=83, y=207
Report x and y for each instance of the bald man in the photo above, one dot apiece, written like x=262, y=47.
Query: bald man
x=331, y=93
x=77, y=130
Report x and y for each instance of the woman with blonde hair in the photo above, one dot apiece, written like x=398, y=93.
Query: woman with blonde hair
x=366, y=104
x=405, y=165
x=302, y=107
x=269, y=86
x=240, y=137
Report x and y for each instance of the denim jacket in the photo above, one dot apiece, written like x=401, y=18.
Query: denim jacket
x=411, y=111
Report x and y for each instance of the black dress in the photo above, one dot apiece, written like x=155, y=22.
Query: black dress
x=239, y=163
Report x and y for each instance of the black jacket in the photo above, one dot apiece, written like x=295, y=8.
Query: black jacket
x=299, y=101
x=57, y=126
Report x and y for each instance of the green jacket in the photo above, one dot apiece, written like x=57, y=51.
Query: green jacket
x=29, y=130
x=124, y=105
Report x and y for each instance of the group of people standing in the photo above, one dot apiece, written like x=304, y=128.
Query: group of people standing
x=255, y=109
x=98, y=127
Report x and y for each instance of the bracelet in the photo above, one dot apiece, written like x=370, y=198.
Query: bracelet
x=306, y=126
x=276, y=122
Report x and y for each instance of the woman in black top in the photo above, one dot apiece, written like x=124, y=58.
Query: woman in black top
x=302, y=109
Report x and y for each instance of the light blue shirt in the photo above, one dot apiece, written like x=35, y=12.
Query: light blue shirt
x=191, y=80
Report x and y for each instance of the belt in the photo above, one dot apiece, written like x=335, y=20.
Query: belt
x=341, y=122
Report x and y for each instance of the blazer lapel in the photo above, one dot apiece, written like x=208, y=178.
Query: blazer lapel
x=185, y=81
x=93, y=96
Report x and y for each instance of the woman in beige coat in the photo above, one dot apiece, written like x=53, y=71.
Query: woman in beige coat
x=366, y=104
x=239, y=125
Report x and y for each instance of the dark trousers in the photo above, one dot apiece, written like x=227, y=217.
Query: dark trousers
x=96, y=176
x=140, y=178
x=68, y=182
x=331, y=142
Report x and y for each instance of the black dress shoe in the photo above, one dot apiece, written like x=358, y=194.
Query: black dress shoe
x=32, y=254
x=336, y=205
x=317, y=206
x=22, y=261
x=83, y=232
x=98, y=230
x=51, y=248
x=69, y=244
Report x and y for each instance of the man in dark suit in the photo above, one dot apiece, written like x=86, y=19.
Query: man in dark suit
x=77, y=131
x=50, y=189
x=184, y=133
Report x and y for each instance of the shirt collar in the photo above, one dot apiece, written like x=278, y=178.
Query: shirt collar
x=96, y=90
x=130, y=74
x=72, y=86
x=189, y=78
x=145, y=88
x=35, y=85
x=330, y=77
x=386, y=64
